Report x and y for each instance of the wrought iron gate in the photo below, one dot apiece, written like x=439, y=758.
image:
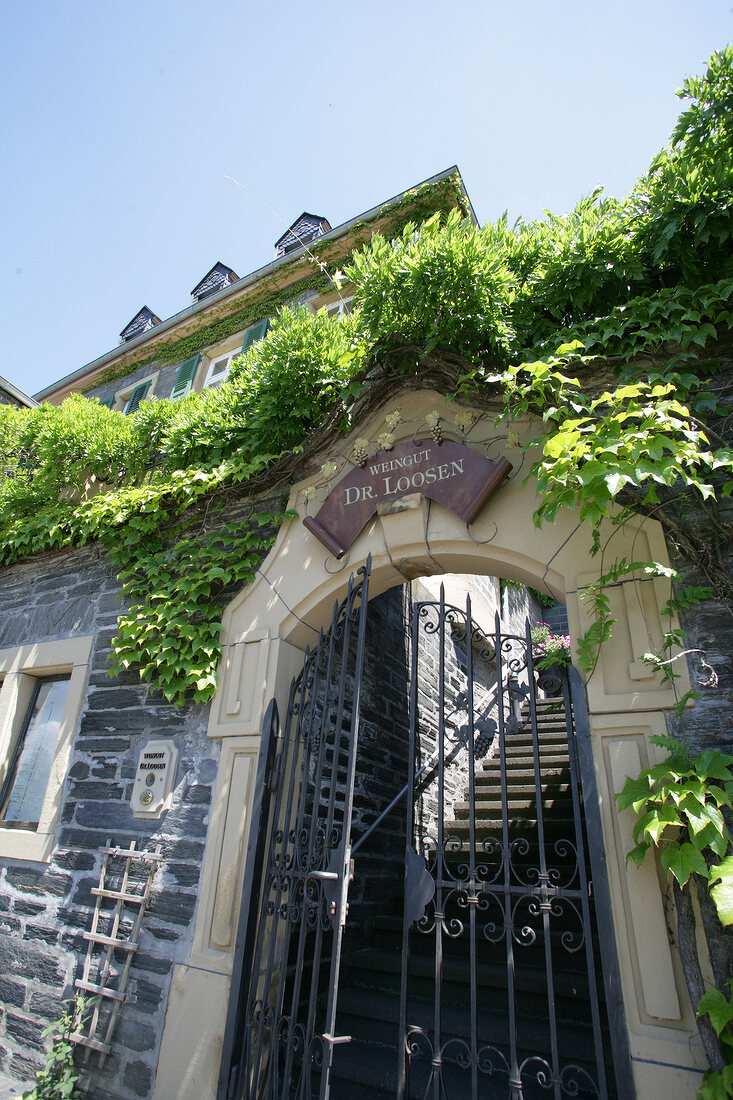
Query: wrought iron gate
x=281, y=1028
x=498, y=876
x=505, y=908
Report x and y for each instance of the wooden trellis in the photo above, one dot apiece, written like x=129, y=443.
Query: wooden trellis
x=122, y=898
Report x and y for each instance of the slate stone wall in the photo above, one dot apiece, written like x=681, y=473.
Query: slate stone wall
x=45, y=908
x=708, y=724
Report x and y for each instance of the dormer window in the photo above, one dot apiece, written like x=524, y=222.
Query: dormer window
x=304, y=230
x=218, y=278
x=143, y=320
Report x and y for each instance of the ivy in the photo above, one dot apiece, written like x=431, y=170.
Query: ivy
x=679, y=809
x=175, y=351
x=524, y=308
x=419, y=203
x=171, y=630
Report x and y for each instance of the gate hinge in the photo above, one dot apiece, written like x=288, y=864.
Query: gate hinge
x=273, y=779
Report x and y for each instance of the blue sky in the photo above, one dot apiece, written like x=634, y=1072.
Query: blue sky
x=121, y=122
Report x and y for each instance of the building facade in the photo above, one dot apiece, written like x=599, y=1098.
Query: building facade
x=124, y=856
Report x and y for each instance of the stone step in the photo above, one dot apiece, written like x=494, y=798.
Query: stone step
x=522, y=799
x=374, y=1016
x=518, y=775
x=380, y=969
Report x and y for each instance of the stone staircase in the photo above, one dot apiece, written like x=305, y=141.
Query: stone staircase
x=369, y=994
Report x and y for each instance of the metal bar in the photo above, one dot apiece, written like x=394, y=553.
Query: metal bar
x=344, y=628
x=297, y=862
x=402, y=1053
x=604, y=919
x=587, y=927
x=515, y=1084
x=313, y=739
x=472, y=883
x=543, y=878
x=306, y=741
x=440, y=863
x=345, y=847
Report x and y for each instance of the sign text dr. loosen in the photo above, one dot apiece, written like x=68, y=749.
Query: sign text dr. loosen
x=407, y=483
x=449, y=473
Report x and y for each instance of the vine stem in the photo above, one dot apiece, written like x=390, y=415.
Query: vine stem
x=687, y=947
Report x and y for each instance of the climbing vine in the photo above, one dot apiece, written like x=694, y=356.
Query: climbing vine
x=523, y=310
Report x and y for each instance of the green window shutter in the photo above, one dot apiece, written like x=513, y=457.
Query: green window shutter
x=184, y=378
x=137, y=395
x=108, y=402
x=255, y=333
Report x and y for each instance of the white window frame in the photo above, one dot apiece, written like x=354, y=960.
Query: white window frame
x=122, y=397
x=20, y=668
x=340, y=308
x=228, y=349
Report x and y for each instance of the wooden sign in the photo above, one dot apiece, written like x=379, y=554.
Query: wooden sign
x=449, y=473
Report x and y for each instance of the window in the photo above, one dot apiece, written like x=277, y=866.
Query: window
x=340, y=308
x=41, y=696
x=220, y=359
x=128, y=399
x=24, y=789
x=219, y=368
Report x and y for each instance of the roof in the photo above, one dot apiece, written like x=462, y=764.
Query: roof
x=17, y=397
x=143, y=320
x=246, y=281
x=217, y=278
x=303, y=230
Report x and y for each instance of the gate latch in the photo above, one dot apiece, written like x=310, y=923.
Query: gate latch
x=334, y=893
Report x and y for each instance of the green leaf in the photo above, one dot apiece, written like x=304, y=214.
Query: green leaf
x=682, y=861
x=722, y=893
x=717, y=1006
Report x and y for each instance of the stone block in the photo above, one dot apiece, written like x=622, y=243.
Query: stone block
x=138, y=1077
x=117, y=699
x=75, y=860
x=95, y=791
x=28, y=908
x=24, y=1067
x=45, y=882
x=197, y=794
x=12, y=993
x=27, y=1032
x=134, y=1035
x=39, y=933
x=184, y=874
x=174, y=906
x=151, y=963
x=46, y=1005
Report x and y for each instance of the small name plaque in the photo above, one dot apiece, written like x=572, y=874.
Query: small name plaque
x=154, y=779
x=449, y=473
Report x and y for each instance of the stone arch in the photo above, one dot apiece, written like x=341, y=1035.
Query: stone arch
x=267, y=627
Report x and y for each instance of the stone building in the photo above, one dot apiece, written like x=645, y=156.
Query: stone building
x=128, y=773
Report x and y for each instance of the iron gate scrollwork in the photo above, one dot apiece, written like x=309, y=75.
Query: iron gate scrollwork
x=281, y=1029
x=502, y=920
x=495, y=818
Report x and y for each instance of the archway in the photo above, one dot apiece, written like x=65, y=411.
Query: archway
x=267, y=628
